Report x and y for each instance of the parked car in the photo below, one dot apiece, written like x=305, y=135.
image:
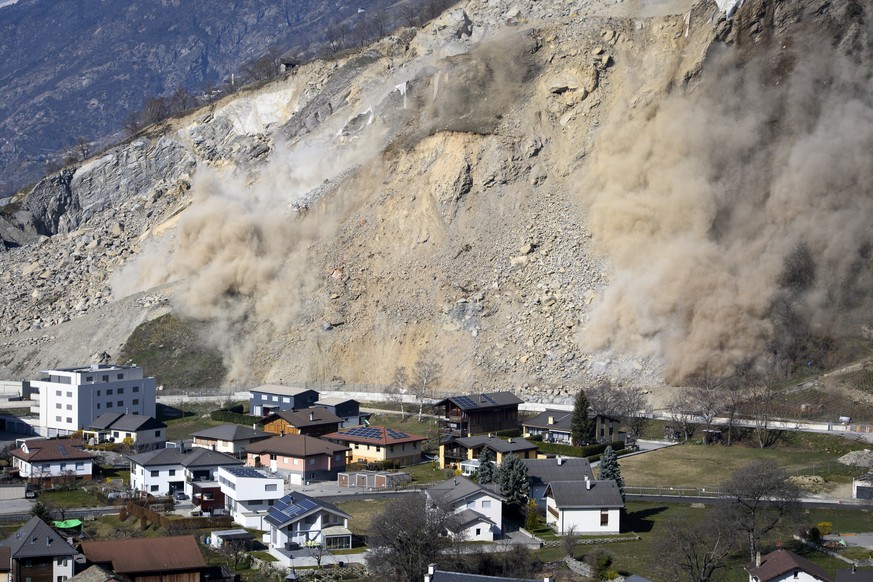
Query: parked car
x=180, y=495
x=30, y=494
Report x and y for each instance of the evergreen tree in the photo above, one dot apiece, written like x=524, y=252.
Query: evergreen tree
x=485, y=472
x=530, y=517
x=581, y=427
x=511, y=475
x=609, y=469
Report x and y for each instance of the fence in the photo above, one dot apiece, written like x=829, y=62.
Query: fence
x=674, y=491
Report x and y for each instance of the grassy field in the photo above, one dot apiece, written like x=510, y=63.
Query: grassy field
x=69, y=499
x=692, y=465
x=362, y=512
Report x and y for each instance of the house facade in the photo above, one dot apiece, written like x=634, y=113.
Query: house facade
x=143, y=432
x=377, y=444
x=309, y=421
x=231, y=439
x=541, y=472
x=38, y=553
x=270, y=398
x=479, y=510
x=464, y=452
x=53, y=459
x=297, y=520
x=249, y=493
x=298, y=457
x=70, y=399
x=347, y=409
x=593, y=507
x=555, y=426
x=475, y=414
x=165, y=471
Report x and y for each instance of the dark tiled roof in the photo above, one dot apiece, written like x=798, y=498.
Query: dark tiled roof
x=125, y=422
x=575, y=495
x=52, y=450
x=777, y=563
x=195, y=457
x=377, y=435
x=482, y=401
x=296, y=445
x=443, y=576
x=457, y=488
x=36, y=539
x=544, y=471
x=467, y=516
x=230, y=433
x=304, y=417
x=105, y=420
x=496, y=444
x=169, y=554
x=859, y=575
x=561, y=420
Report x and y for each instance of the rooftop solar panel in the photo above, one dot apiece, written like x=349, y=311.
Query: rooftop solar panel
x=62, y=450
x=397, y=434
x=465, y=401
x=246, y=472
x=489, y=399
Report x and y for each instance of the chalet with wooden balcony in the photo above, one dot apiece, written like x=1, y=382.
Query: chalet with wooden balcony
x=476, y=414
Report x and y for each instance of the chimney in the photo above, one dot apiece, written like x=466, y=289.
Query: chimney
x=509, y=440
x=431, y=570
x=551, y=420
x=587, y=483
x=757, y=559
x=854, y=568
x=312, y=416
x=560, y=460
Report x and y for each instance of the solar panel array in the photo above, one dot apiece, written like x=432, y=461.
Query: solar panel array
x=62, y=450
x=246, y=472
x=287, y=509
x=467, y=402
x=364, y=432
x=396, y=434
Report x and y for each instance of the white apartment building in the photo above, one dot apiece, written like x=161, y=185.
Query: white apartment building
x=249, y=493
x=70, y=399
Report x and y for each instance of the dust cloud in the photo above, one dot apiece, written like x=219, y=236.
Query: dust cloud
x=737, y=216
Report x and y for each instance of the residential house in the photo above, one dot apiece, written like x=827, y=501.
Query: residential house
x=301, y=458
x=347, y=409
x=309, y=421
x=377, y=444
x=70, y=399
x=166, y=559
x=297, y=520
x=164, y=471
x=231, y=439
x=854, y=574
x=785, y=565
x=249, y=493
x=590, y=508
x=53, y=459
x=38, y=553
x=541, y=472
x=479, y=509
x=479, y=413
x=270, y=398
x=434, y=575
x=555, y=426
x=143, y=432
x=464, y=452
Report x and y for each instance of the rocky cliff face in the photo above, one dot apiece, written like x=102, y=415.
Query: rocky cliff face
x=440, y=196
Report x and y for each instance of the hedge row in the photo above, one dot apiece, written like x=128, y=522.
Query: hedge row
x=233, y=417
x=571, y=451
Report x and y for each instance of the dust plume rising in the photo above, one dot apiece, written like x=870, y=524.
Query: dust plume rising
x=737, y=216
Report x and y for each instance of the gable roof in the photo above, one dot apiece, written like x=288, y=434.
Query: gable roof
x=333, y=401
x=283, y=390
x=467, y=517
x=125, y=422
x=561, y=420
x=230, y=433
x=496, y=444
x=36, y=539
x=777, y=563
x=295, y=506
x=457, y=488
x=304, y=417
x=195, y=457
x=575, y=495
x=482, y=401
x=378, y=435
x=58, y=449
x=444, y=576
x=296, y=445
x=166, y=554
x=544, y=471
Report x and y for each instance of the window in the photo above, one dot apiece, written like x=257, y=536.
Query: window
x=378, y=449
x=57, y=392
x=121, y=404
x=486, y=504
x=63, y=466
x=478, y=531
x=98, y=393
x=98, y=406
x=275, y=399
x=70, y=420
x=80, y=466
x=69, y=407
x=121, y=376
x=286, y=400
x=604, y=517
x=271, y=487
x=155, y=473
x=135, y=401
x=295, y=461
x=69, y=394
x=157, y=433
x=391, y=448
x=311, y=461
x=121, y=391
x=106, y=377
x=108, y=405
x=172, y=472
x=153, y=488
x=58, y=405
x=58, y=418
x=109, y=392
x=89, y=379
x=115, y=434
x=263, y=396
x=135, y=389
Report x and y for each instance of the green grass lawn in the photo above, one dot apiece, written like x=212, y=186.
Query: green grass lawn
x=73, y=498
x=362, y=512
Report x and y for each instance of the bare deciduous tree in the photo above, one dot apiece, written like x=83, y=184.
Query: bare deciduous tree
x=424, y=380
x=398, y=388
x=629, y=404
x=681, y=415
x=695, y=551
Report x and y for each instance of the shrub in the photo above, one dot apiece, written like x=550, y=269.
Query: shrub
x=814, y=535
x=825, y=527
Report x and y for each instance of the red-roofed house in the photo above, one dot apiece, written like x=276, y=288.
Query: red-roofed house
x=377, y=444
x=52, y=459
x=785, y=565
x=148, y=559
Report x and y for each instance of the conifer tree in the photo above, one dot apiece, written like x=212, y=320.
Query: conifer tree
x=609, y=469
x=581, y=427
x=511, y=475
x=485, y=472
